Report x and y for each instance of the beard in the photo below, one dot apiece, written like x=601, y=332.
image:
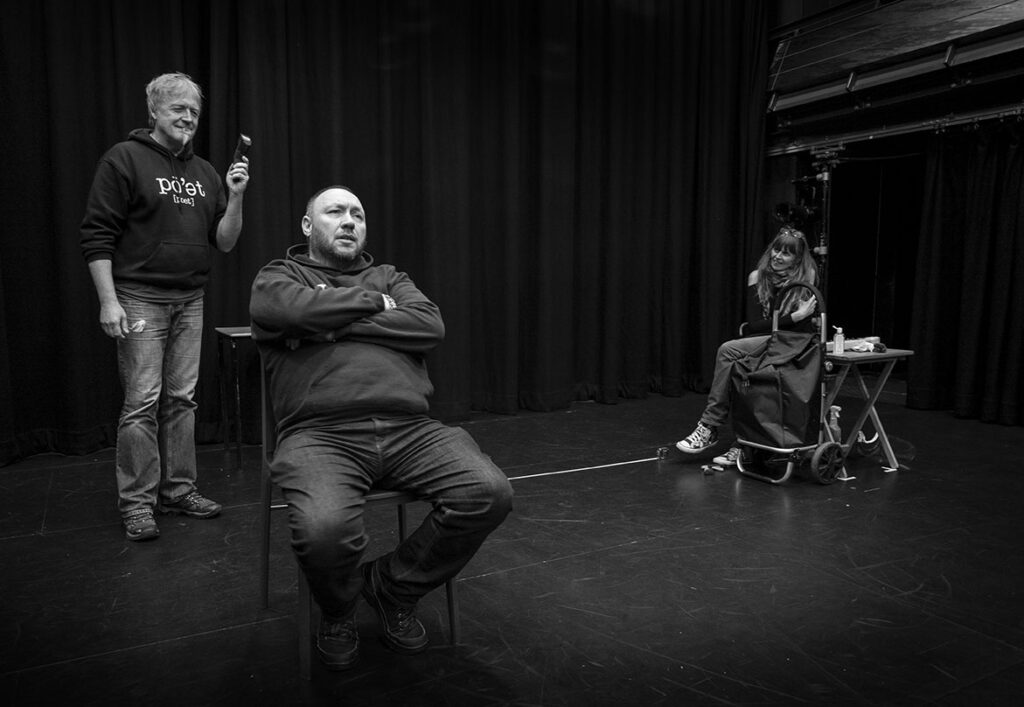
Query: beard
x=322, y=248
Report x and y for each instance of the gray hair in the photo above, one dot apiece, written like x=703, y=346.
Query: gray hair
x=166, y=86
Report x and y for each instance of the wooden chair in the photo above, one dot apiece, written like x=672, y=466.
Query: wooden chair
x=376, y=497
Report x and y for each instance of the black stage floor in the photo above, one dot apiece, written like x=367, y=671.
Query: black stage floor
x=620, y=581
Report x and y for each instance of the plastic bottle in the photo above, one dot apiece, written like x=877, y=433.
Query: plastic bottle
x=833, y=423
x=838, y=341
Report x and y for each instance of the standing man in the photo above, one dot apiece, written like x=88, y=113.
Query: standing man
x=344, y=343
x=152, y=213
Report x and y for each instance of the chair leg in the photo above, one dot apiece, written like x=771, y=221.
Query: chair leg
x=304, y=624
x=265, y=541
x=453, y=612
x=402, y=521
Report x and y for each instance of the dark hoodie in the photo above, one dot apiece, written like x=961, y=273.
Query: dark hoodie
x=153, y=214
x=332, y=352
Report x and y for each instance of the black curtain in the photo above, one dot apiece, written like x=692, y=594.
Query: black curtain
x=969, y=294
x=574, y=182
x=876, y=219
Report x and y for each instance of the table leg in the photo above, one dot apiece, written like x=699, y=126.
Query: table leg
x=221, y=375
x=238, y=404
x=872, y=398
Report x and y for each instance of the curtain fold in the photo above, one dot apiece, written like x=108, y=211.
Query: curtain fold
x=969, y=293
x=574, y=182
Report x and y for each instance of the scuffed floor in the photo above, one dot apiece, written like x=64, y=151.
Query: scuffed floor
x=619, y=579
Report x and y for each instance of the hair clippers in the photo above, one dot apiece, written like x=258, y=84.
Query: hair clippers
x=244, y=143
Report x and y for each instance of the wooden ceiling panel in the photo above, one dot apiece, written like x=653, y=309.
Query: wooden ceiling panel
x=876, y=34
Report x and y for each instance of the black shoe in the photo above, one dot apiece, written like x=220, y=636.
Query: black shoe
x=337, y=642
x=192, y=504
x=402, y=631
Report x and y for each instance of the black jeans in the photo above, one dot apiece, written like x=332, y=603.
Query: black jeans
x=325, y=474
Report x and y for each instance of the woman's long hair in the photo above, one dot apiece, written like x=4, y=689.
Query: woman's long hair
x=769, y=282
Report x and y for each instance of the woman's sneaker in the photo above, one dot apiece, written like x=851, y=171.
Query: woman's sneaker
x=729, y=458
x=140, y=525
x=702, y=438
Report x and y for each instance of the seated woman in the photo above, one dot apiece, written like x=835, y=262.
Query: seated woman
x=787, y=259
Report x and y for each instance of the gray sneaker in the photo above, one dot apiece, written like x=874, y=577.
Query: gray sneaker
x=140, y=525
x=192, y=504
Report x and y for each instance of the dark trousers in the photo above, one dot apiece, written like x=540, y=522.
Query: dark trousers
x=325, y=474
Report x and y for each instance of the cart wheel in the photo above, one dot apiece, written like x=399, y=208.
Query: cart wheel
x=827, y=462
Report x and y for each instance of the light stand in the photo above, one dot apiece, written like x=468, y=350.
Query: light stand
x=825, y=161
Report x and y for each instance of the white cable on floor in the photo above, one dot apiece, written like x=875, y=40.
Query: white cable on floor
x=582, y=468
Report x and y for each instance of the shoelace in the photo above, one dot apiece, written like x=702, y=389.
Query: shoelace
x=405, y=618
x=193, y=498
x=699, y=437
x=342, y=629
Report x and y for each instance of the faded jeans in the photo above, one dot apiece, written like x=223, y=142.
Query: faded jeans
x=159, y=368
x=717, y=410
x=324, y=475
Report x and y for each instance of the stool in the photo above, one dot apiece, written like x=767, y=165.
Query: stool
x=230, y=335
x=304, y=613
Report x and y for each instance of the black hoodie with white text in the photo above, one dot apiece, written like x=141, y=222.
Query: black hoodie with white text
x=153, y=214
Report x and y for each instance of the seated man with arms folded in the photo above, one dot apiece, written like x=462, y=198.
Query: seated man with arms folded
x=344, y=341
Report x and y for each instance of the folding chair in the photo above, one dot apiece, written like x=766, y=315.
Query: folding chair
x=378, y=497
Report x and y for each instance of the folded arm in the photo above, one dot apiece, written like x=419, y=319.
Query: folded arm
x=286, y=309
x=413, y=326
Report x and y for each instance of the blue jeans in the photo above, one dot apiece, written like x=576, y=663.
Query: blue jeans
x=159, y=368
x=324, y=475
x=717, y=410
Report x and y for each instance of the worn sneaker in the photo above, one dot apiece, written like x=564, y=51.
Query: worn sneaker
x=729, y=458
x=702, y=438
x=402, y=631
x=192, y=504
x=337, y=642
x=140, y=525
